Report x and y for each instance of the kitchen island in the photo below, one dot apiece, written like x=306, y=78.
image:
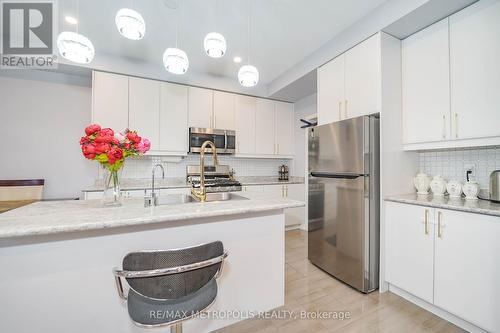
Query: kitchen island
x=59, y=256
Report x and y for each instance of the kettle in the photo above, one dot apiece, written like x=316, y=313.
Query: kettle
x=495, y=186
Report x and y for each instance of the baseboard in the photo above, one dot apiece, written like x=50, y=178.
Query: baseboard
x=437, y=311
x=292, y=227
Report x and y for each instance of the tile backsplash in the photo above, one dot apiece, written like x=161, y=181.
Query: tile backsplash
x=141, y=167
x=453, y=163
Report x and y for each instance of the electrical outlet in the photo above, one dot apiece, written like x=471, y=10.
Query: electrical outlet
x=470, y=169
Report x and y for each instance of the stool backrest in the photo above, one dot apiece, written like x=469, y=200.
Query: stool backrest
x=175, y=285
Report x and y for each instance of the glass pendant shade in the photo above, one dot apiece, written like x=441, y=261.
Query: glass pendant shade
x=248, y=76
x=75, y=47
x=215, y=45
x=175, y=61
x=130, y=24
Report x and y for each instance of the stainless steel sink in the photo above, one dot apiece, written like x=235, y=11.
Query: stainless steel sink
x=173, y=199
x=221, y=196
x=178, y=199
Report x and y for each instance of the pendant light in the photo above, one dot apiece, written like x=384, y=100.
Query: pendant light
x=130, y=24
x=74, y=46
x=248, y=75
x=174, y=59
x=214, y=43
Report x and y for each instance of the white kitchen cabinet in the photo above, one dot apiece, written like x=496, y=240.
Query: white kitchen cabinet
x=426, y=85
x=265, y=127
x=224, y=110
x=144, y=109
x=252, y=191
x=110, y=100
x=173, y=118
x=284, y=128
x=363, y=79
x=245, y=110
x=350, y=85
x=331, y=91
x=200, y=107
x=295, y=217
x=475, y=71
x=467, y=270
x=410, y=249
x=453, y=267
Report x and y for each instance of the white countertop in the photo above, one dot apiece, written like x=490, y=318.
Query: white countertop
x=445, y=202
x=52, y=217
x=130, y=184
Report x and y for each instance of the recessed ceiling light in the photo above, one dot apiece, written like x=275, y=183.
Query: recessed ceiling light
x=71, y=20
x=237, y=60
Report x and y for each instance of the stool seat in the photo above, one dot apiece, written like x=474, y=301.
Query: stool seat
x=145, y=311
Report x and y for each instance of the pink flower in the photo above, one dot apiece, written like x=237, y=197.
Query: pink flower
x=144, y=146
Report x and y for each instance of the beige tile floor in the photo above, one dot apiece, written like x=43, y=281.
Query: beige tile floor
x=307, y=288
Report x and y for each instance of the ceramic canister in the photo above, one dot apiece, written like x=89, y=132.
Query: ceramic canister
x=438, y=186
x=454, y=188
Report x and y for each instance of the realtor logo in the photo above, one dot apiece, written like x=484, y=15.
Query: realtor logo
x=28, y=34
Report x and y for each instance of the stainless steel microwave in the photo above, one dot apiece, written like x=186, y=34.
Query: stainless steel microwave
x=224, y=140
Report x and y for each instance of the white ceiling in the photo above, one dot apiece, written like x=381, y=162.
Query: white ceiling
x=283, y=32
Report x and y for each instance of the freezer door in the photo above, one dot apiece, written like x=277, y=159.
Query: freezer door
x=340, y=147
x=338, y=237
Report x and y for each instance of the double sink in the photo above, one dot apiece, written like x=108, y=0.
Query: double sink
x=177, y=199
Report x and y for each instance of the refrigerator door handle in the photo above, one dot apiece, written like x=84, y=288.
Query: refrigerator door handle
x=336, y=175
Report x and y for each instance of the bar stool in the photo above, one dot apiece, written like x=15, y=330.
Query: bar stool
x=167, y=287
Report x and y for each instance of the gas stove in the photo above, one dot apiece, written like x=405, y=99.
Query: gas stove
x=217, y=179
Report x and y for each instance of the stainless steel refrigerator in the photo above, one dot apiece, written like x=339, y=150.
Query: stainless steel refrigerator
x=344, y=200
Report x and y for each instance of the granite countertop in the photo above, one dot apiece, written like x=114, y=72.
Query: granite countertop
x=53, y=217
x=130, y=184
x=471, y=206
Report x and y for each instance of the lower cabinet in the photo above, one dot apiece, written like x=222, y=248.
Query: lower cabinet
x=454, y=266
x=410, y=249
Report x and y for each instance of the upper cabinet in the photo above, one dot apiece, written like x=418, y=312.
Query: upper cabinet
x=265, y=127
x=363, y=79
x=144, y=109
x=451, y=75
x=200, y=107
x=284, y=128
x=244, y=117
x=350, y=85
x=163, y=113
x=173, y=118
x=331, y=91
x=475, y=71
x=223, y=110
x=157, y=110
x=110, y=100
x=426, y=85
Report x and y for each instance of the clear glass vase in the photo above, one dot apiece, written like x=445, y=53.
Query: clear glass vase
x=112, y=196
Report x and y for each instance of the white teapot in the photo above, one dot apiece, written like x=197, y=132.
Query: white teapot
x=471, y=190
x=454, y=189
x=438, y=186
x=422, y=183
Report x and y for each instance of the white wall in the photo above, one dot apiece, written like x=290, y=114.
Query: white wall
x=42, y=116
x=303, y=108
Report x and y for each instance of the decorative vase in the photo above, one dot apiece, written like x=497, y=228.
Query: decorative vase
x=111, y=196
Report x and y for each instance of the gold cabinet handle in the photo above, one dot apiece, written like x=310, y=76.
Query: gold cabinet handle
x=426, y=222
x=440, y=224
x=456, y=125
x=340, y=110
x=286, y=191
x=345, y=109
x=444, y=126
x=277, y=148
